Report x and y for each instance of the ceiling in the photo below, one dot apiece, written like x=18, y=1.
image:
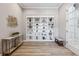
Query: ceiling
x=40, y=5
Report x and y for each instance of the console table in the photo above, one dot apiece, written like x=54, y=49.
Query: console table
x=10, y=44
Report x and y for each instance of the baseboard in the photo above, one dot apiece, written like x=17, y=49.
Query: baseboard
x=38, y=40
x=73, y=49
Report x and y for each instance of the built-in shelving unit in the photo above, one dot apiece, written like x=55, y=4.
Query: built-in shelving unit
x=39, y=28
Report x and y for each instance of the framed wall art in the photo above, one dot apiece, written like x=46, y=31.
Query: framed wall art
x=12, y=21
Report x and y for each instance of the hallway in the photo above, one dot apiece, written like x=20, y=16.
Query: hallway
x=37, y=26
x=42, y=49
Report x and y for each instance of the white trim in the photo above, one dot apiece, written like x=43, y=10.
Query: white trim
x=38, y=7
x=38, y=40
x=45, y=8
x=74, y=50
x=39, y=16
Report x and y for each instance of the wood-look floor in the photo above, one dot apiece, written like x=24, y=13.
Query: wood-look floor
x=42, y=49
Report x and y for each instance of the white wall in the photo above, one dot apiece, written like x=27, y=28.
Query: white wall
x=42, y=12
x=62, y=20
x=13, y=10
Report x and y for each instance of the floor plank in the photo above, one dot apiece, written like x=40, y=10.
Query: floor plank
x=42, y=49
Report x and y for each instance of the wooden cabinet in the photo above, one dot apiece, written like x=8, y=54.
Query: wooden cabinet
x=10, y=44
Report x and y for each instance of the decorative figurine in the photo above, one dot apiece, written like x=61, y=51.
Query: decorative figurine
x=30, y=37
x=50, y=33
x=50, y=38
x=43, y=31
x=43, y=27
x=43, y=38
x=50, y=19
x=37, y=24
x=36, y=30
x=30, y=26
x=36, y=19
x=29, y=19
x=37, y=37
x=52, y=25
